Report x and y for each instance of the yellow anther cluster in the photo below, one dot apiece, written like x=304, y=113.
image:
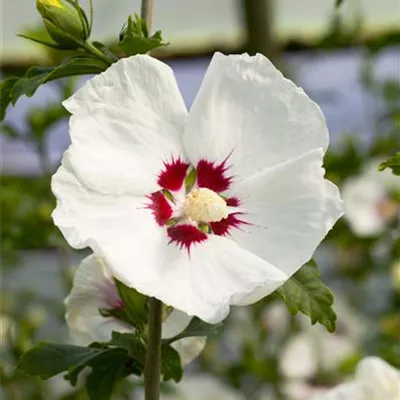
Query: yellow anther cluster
x=205, y=205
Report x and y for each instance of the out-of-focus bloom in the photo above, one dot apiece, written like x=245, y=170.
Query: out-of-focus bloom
x=314, y=351
x=65, y=23
x=94, y=290
x=204, y=210
x=201, y=387
x=375, y=379
x=368, y=200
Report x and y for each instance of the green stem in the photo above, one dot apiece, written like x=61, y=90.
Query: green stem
x=152, y=368
x=96, y=52
x=146, y=13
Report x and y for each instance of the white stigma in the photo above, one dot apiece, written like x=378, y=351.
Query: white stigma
x=205, y=205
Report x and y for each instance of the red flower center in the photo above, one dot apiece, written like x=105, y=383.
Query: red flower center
x=176, y=180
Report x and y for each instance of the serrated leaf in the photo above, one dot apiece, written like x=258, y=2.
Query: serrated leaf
x=393, y=163
x=135, y=304
x=305, y=292
x=13, y=88
x=6, y=87
x=48, y=359
x=107, y=369
x=132, y=344
x=134, y=38
x=196, y=327
x=171, y=366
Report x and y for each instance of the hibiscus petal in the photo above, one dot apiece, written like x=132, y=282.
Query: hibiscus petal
x=378, y=378
x=115, y=225
x=248, y=112
x=289, y=210
x=126, y=123
x=93, y=289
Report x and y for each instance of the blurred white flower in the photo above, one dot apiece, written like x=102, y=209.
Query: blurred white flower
x=375, y=379
x=200, y=387
x=367, y=200
x=201, y=210
x=314, y=350
x=94, y=290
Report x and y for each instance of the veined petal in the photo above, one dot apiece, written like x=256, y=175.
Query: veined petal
x=248, y=112
x=205, y=282
x=117, y=225
x=126, y=123
x=290, y=208
x=93, y=289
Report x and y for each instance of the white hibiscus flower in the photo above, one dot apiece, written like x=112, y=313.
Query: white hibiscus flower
x=94, y=291
x=368, y=202
x=201, y=210
x=375, y=379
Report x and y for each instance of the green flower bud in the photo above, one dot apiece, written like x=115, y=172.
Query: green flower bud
x=65, y=22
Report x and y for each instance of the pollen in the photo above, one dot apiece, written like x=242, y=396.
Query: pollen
x=205, y=205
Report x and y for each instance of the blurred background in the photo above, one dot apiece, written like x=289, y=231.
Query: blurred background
x=347, y=59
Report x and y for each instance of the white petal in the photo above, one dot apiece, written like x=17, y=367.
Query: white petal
x=126, y=122
x=290, y=208
x=189, y=348
x=93, y=288
x=204, y=283
x=119, y=226
x=223, y=272
x=175, y=323
x=378, y=378
x=247, y=110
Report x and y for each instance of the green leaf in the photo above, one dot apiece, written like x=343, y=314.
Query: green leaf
x=305, y=292
x=13, y=88
x=196, y=327
x=132, y=344
x=393, y=163
x=6, y=87
x=171, y=366
x=134, y=38
x=108, y=368
x=338, y=3
x=10, y=131
x=48, y=359
x=135, y=304
x=40, y=41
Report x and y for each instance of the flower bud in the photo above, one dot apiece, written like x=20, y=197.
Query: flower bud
x=65, y=22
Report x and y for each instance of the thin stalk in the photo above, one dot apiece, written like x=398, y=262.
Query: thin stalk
x=96, y=52
x=146, y=13
x=152, y=368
